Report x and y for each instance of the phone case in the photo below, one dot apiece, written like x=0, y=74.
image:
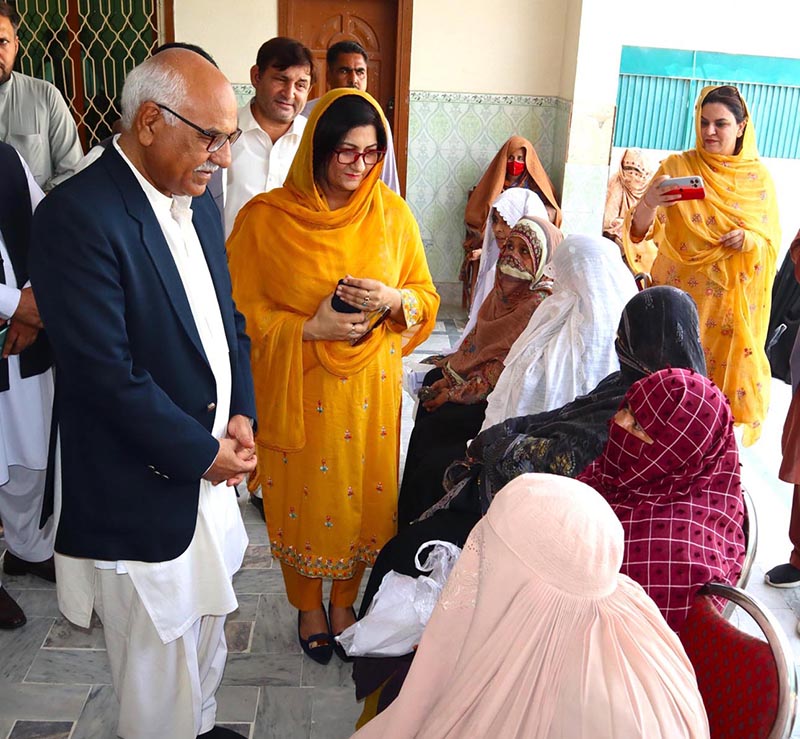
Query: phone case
x=689, y=188
x=376, y=318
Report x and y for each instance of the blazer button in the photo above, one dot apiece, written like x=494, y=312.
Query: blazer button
x=211, y=406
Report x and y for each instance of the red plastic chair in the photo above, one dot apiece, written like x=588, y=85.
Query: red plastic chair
x=749, y=686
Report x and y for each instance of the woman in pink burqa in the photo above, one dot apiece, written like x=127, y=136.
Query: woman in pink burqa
x=537, y=634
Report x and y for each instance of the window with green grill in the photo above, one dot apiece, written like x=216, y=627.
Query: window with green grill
x=658, y=89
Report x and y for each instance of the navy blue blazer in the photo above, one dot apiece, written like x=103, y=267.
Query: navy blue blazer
x=135, y=395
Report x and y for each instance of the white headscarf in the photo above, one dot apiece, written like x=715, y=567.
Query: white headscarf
x=568, y=346
x=536, y=634
x=512, y=204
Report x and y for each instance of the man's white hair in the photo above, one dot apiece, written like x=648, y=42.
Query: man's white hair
x=156, y=81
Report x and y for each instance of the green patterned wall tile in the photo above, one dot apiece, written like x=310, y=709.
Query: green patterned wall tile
x=243, y=91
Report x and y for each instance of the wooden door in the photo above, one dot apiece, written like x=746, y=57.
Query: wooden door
x=382, y=27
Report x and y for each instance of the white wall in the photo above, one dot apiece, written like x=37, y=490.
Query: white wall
x=511, y=47
x=523, y=42
x=231, y=31
x=734, y=26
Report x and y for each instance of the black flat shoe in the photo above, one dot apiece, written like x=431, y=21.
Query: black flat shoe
x=13, y=565
x=11, y=615
x=318, y=646
x=338, y=648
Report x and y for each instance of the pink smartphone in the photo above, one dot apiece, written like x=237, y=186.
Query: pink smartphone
x=689, y=188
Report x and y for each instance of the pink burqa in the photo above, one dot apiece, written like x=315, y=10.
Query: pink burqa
x=680, y=498
x=536, y=634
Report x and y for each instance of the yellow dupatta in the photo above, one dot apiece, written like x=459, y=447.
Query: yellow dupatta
x=739, y=195
x=286, y=253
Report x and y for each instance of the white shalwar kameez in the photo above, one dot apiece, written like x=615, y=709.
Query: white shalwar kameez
x=164, y=621
x=25, y=412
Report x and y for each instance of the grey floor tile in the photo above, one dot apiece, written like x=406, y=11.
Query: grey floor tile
x=26, y=582
x=249, y=512
x=37, y=603
x=72, y=666
x=6, y=722
x=19, y=648
x=237, y=703
x=41, y=730
x=65, y=635
x=99, y=718
x=22, y=701
x=262, y=669
x=336, y=674
x=238, y=635
x=769, y=596
x=257, y=533
x=334, y=713
x=258, y=581
x=437, y=343
x=248, y=605
x=257, y=556
x=276, y=626
x=284, y=713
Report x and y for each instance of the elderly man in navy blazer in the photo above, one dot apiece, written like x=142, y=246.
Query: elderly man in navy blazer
x=154, y=398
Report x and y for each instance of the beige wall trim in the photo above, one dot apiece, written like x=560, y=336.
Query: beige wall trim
x=481, y=98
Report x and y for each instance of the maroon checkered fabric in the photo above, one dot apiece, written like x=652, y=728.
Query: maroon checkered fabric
x=736, y=674
x=679, y=499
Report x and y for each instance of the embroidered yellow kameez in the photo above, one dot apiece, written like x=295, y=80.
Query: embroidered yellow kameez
x=732, y=288
x=328, y=413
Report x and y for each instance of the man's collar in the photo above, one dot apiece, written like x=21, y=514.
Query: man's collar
x=160, y=202
x=248, y=122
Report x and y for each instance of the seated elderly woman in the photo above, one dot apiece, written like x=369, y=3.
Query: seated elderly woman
x=454, y=394
x=568, y=346
x=515, y=165
x=529, y=642
x=625, y=189
x=510, y=206
x=670, y=471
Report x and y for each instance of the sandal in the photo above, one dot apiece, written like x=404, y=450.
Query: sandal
x=318, y=646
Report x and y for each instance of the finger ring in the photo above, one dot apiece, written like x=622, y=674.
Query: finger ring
x=365, y=301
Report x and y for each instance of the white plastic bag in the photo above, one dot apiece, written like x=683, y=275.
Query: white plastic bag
x=402, y=606
x=413, y=376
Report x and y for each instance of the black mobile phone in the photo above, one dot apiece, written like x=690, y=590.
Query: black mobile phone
x=3, y=334
x=339, y=305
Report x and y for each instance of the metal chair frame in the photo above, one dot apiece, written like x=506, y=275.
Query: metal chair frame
x=781, y=651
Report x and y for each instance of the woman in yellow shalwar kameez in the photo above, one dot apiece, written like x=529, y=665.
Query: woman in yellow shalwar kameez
x=329, y=411
x=722, y=249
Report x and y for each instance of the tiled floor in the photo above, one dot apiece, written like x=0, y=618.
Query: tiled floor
x=54, y=678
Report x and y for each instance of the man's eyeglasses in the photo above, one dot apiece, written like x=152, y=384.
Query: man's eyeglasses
x=351, y=156
x=217, y=140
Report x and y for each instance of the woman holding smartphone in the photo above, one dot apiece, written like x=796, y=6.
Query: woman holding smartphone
x=721, y=249
x=328, y=402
